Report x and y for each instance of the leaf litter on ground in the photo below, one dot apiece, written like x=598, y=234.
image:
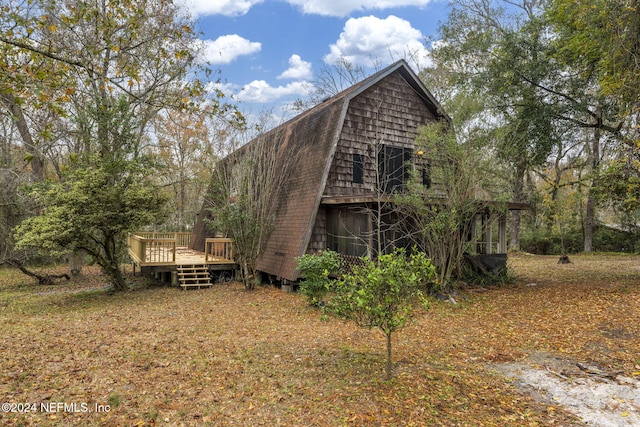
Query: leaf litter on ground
x=223, y=356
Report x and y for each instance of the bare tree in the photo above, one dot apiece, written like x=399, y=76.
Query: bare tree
x=247, y=188
x=332, y=79
x=442, y=213
x=186, y=156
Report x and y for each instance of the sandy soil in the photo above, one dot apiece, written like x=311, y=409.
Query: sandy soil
x=599, y=397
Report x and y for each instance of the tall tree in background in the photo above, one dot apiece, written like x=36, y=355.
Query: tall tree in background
x=29, y=83
x=602, y=37
x=485, y=49
x=506, y=53
x=118, y=63
x=186, y=157
x=600, y=42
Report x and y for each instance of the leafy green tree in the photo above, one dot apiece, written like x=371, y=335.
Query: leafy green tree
x=599, y=42
x=99, y=201
x=382, y=293
x=619, y=188
x=488, y=49
x=602, y=38
x=102, y=70
x=93, y=212
x=65, y=57
x=509, y=54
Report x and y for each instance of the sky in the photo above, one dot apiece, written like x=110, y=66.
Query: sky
x=269, y=52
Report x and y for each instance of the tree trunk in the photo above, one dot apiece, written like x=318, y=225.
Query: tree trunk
x=36, y=161
x=518, y=196
x=247, y=277
x=590, y=211
x=76, y=262
x=589, y=220
x=182, y=200
x=110, y=265
x=43, y=279
x=389, y=366
x=117, y=279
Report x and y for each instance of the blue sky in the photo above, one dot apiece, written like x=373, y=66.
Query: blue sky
x=268, y=51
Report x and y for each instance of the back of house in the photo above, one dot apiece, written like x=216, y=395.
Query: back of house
x=344, y=156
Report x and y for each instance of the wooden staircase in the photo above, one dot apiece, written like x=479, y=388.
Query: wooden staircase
x=193, y=276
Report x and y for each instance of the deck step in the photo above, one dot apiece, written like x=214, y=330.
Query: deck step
x=194, y=275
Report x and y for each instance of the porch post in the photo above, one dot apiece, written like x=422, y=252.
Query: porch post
x=489, y=230
x=472, y=234
x=502, y=232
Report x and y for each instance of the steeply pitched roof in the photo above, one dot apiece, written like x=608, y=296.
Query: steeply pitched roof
x=309, y=142
x=315, y=134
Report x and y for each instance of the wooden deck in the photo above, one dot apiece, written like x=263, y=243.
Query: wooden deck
x=171, y=249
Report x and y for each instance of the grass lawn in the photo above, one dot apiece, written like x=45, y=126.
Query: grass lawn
x=160, y=356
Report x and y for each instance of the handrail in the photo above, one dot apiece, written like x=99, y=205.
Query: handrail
x=137, y=247
x=218, y=249
x=182, y=238
x=155, y=250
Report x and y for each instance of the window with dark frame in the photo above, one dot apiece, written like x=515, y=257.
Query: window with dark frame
x=358, y=169
x=426, y=176
x=393, y=168
x=348, y=231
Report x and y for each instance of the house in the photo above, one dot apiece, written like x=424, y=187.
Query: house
x=344, y=155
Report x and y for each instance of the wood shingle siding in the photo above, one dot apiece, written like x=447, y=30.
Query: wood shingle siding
x=385, y=108
x=387, y=113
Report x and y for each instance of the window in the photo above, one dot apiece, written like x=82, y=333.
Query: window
x=348, y=231
x=393, y=168
x=426, y=176
x=358, y=169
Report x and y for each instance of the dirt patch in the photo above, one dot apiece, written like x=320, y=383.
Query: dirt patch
x=600, y=397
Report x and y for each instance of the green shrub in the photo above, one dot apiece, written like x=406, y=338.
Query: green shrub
x=472, y=277
x=606, y=239
x=382, y=293
x=316, y=270
x=542, y=241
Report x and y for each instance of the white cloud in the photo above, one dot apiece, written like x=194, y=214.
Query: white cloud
x=298, y=69
x=371, y=41
x=261, y=91
x=339, y=8
x=342, y=8
x=225, y=49
x=219, y=7
x=226, y=88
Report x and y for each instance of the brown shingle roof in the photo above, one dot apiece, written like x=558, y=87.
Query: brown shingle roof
x=310, y=139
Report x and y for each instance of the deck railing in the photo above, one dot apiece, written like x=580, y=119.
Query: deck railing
x=151, y=248
x=218, y=249
x=181, y=238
